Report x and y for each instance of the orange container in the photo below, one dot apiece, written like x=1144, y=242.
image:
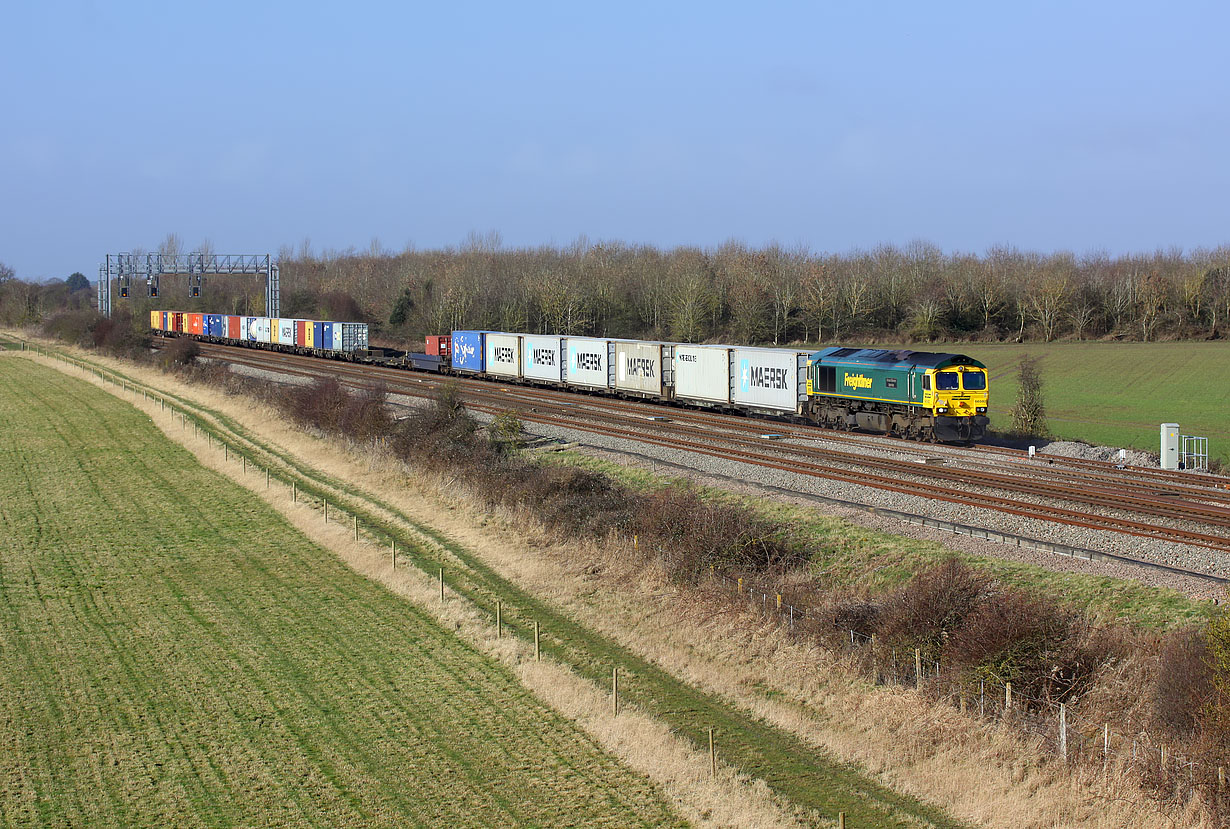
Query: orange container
x=196, y=323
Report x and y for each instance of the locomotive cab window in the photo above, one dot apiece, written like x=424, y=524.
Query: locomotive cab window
x=974, y=381
x=926, y=382
x=947, y=381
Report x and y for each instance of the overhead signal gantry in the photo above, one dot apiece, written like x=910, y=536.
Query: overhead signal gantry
x=123, y=268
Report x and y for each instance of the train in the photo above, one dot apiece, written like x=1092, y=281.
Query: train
x=919, y=395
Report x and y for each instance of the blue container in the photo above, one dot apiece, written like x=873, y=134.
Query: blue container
x=468, y=350
x=323, y=332
x=216, y=325
x=164, y=321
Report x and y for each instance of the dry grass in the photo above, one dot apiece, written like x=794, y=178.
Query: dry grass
x=980, y=773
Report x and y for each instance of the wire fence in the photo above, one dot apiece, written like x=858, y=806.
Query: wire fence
x=1054, y=728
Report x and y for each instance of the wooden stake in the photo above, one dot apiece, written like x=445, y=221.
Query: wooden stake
x=1063, y=731
x=615, y=690
x=226, y=452
x=1105, y=743
x=499, y=619
x=537, y=647
x=393, y=550
x=266, y=477
x=356, y=528
x=1007, y=696
x=245, y=464
x=712, y=757
x=841, y=820
x=294, y=493
x=917, y=668
x=441, y=584
x=1221, y=778
x=326, y=500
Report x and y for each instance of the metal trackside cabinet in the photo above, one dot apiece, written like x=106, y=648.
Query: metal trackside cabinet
x=1170, y=446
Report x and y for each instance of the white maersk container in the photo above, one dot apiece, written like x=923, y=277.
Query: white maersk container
x=542, y=358
x=642, y=368
x=503, y=352
x=769, y=378
x=702, y=373
x=589, y=362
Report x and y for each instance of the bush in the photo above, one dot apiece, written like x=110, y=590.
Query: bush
x=179, y=353
x=1184, y=681
x=936, y=602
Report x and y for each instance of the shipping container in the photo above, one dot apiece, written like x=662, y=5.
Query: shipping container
x=259, y=329
x=438, y=346
x=166, y=321
x=542, y=358
x=308, y=337
x=215, y=325
x=769, y=378
x=642, y=368
x=467, y=348
x=322, y=333
x=154, y=318
x=234, y=327
x=196, y=323
x=589, y=362
x=503, y=354
x=177, y=321
x=286, y=332
x=335, y=334
x=301, y=327
x=702, y=373
x=354, y=337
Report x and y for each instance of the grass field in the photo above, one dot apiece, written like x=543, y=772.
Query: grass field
x=1116, y=394
x=173, y=653
x=802, y=775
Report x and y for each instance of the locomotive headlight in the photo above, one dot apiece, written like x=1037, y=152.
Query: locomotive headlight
x=942, y=409
x=982, y=410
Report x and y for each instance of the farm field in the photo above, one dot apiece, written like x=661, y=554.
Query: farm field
x=174, y=653
x=1116, y=394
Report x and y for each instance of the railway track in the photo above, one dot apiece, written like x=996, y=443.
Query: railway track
x=739, y=439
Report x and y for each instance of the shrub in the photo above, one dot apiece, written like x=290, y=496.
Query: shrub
x=935, y=603
x=178, y=353
x=1184, y=680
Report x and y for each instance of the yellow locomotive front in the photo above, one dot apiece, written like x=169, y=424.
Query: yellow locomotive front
x=958, y=396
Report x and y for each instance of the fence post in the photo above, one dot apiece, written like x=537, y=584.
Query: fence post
x=841, y=820
x=615, y=690
x=537, y=646
x=294, y=492
x=1105, y=743
x=393, y=550
x=441, y=584
x=326, y=500
x=499, y=619
x=918, y=668
x=1221, y=778
x=356, y=528
x=266, y=477
x=712, y=757
x=1063, y=731
x=1007, y=696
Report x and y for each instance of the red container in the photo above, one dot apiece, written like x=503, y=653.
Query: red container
x=196, y=323
x=177, y=320
x=438, y=346
x=301, y=332
x=233, y=324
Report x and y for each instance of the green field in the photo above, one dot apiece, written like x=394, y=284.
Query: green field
x=1115, y=394
x=174, y=654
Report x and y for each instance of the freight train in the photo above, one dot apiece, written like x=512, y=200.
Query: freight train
x=913, y=394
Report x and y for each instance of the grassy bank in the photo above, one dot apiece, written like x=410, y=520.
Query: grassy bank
x=174, y=653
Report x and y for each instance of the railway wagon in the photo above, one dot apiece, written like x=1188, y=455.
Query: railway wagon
x=915, y=394
x=328, y=339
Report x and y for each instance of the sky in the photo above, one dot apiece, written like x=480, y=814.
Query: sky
x=834, y=126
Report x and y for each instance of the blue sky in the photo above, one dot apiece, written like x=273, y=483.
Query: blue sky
x=259, y=124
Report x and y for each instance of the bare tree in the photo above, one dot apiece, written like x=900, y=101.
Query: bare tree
x=7, y=274
x=1152, y=295
x=818, y=296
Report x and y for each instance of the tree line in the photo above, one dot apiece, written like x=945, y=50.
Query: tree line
x=915, y=293
x=737, y=293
